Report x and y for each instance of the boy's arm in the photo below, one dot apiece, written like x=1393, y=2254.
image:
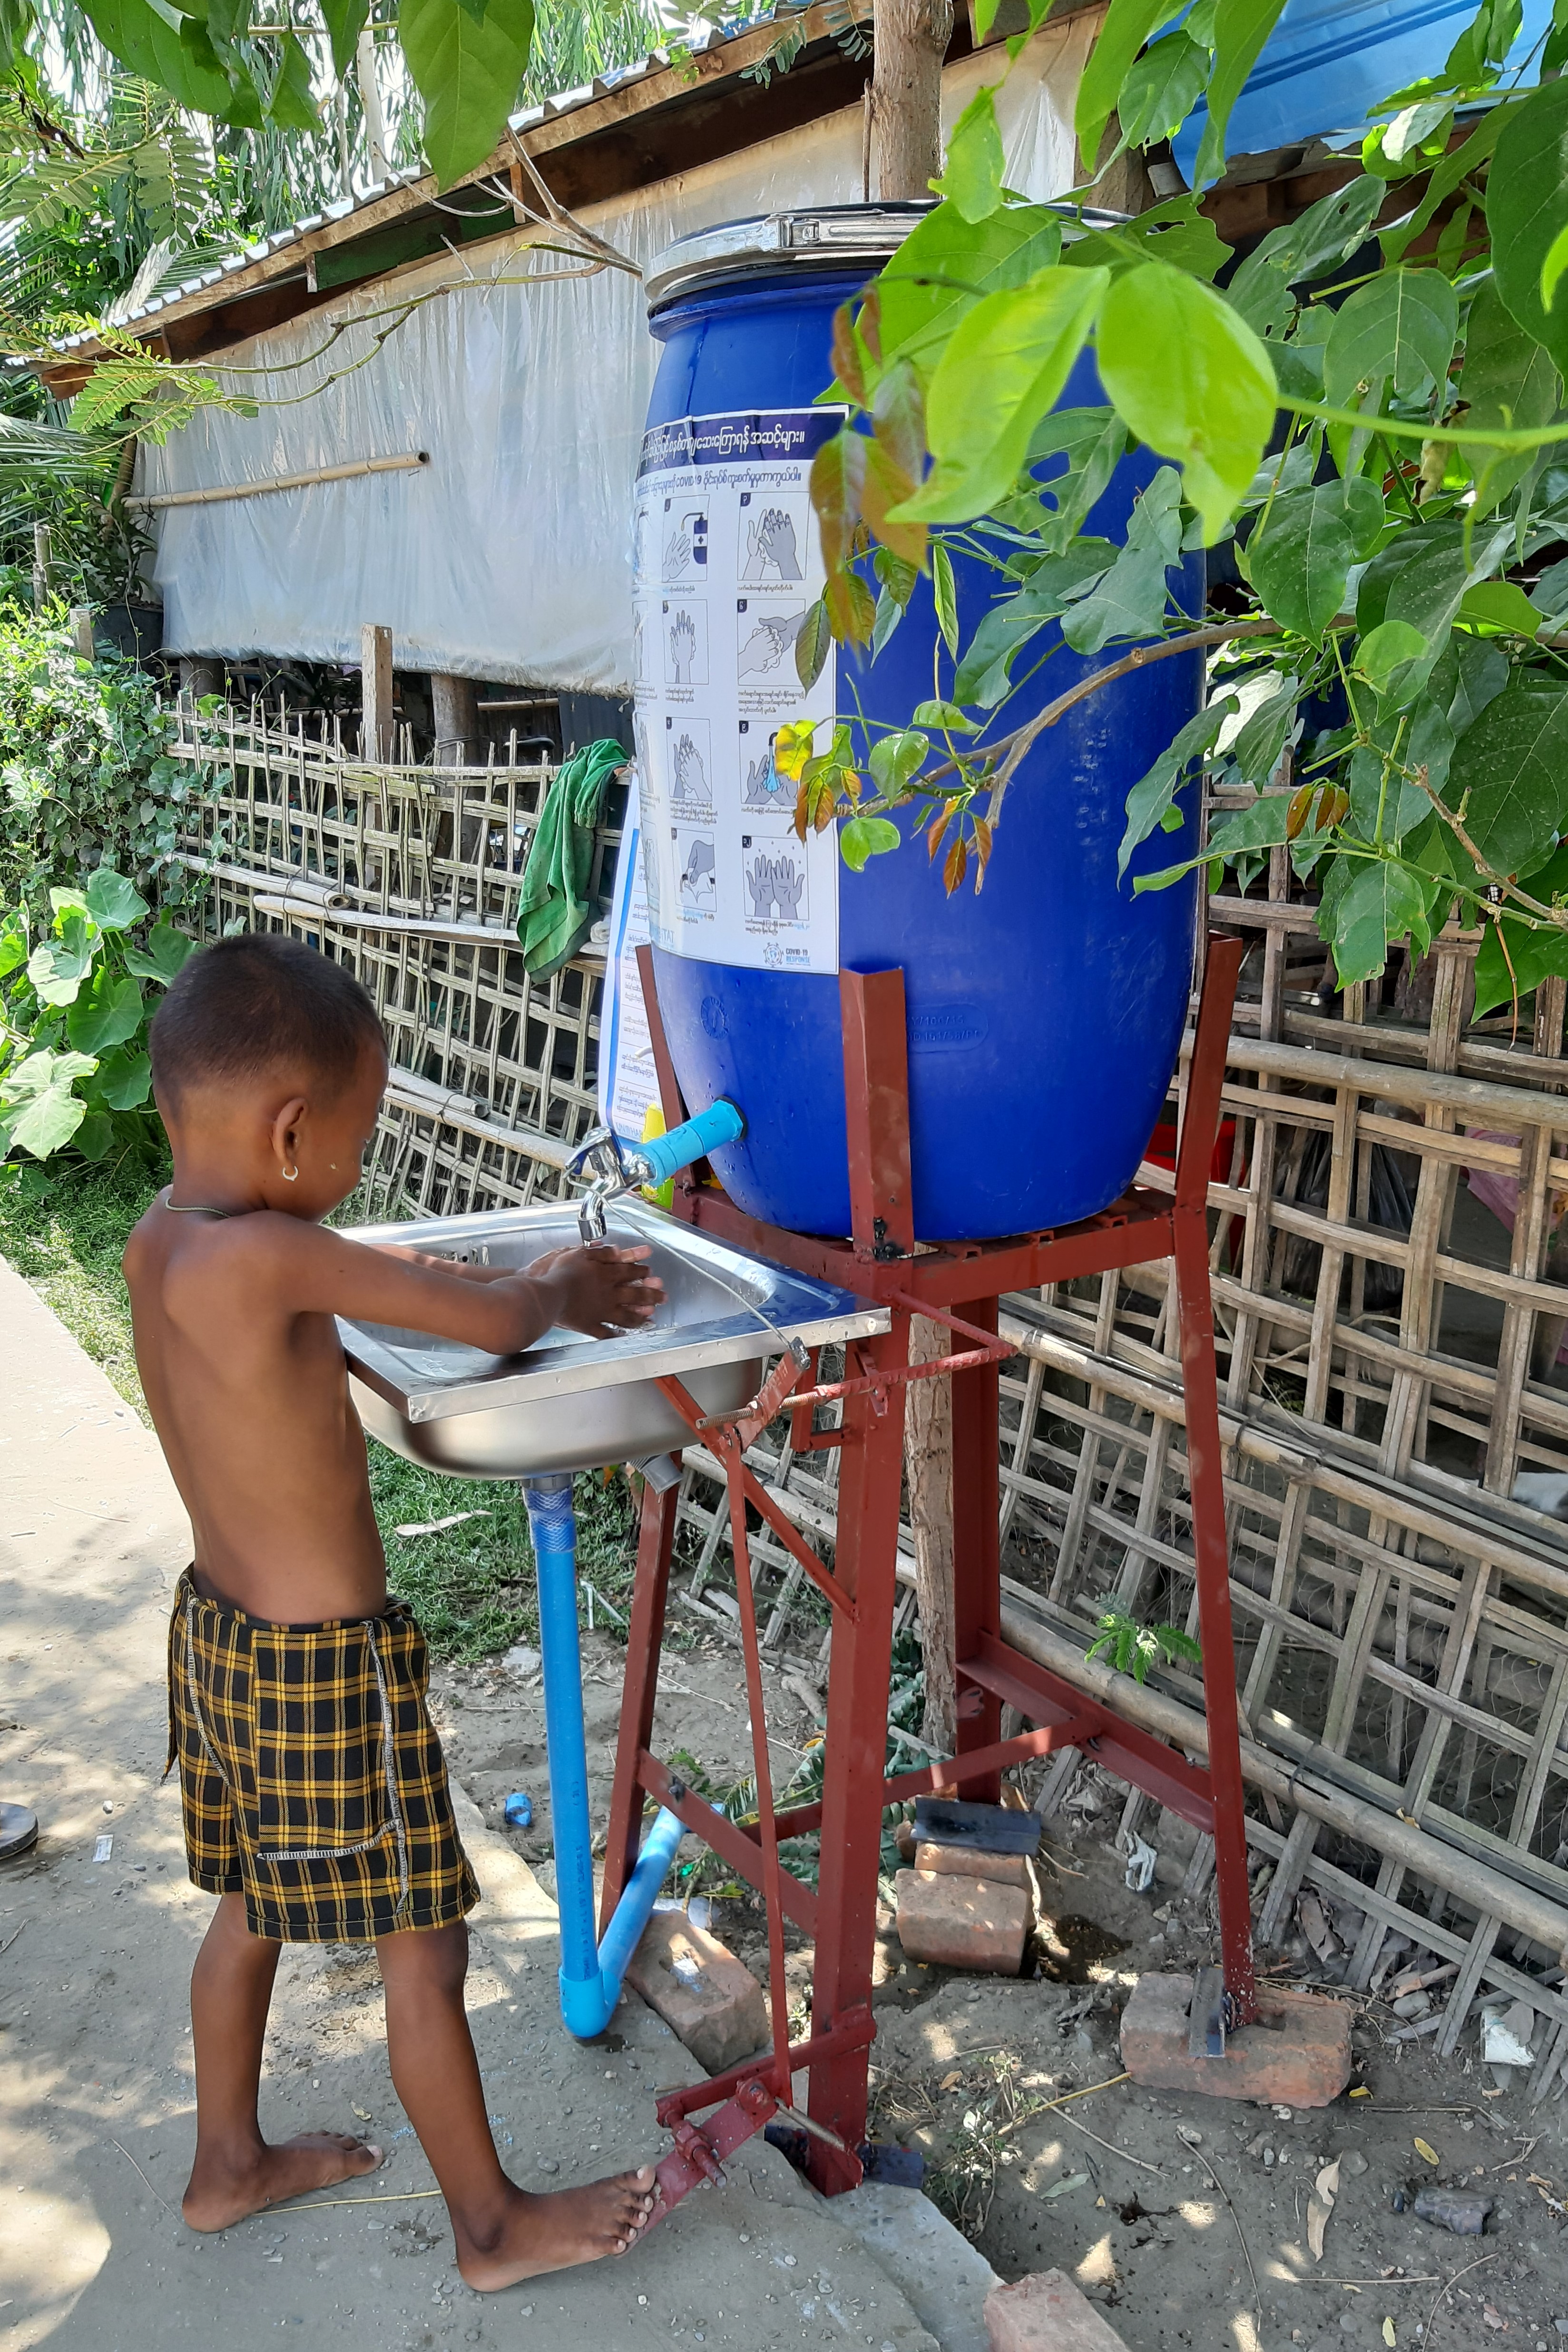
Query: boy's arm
x=307, y=1269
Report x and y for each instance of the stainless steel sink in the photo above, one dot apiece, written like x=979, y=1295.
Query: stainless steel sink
x=572, y=1402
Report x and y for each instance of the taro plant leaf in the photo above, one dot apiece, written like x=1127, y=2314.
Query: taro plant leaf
x=163, y=956
x=1300, y=556
x=1509, y=772
x=867, y=837
x=1007, y=361
x=1192, y=380
x=1129, y=24
x=1508, y=380
x=58, y=967
x=113, y=903
x=1527, y=207
x=948, y=263
x=1399, y=329
x=1161, y=90
x=40, y=1111
x=973, y=178
x=1240, y=29
x=466, y=67
x=1383, y=903
x=984, y=673
x=1132, y=599
x=13, y=944
x=106, y=1014
x=124, y=1081
x=1152, y=795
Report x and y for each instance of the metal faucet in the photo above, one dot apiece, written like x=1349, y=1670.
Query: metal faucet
x=616, y=1168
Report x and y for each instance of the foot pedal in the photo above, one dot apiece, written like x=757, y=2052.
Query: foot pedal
x=1205, y=2019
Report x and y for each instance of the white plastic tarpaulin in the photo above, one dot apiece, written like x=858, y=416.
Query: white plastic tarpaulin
x=508, y=556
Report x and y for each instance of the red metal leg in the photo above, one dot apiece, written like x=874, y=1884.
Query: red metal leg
x=656, y=1544
x=857, y=1747
x=976, y=1548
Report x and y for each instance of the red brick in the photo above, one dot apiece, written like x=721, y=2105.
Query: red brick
x=1297, y=2056
x=1045, y=2312
x=964, y=1922
x=968, y=1862
x=705, y=1995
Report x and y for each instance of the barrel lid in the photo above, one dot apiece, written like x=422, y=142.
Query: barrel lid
x=823, y=236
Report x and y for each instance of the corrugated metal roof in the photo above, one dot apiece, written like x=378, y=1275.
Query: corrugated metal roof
x=566, y=103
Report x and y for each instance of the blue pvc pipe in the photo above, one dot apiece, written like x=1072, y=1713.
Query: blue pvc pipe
x=591, y=1973
x=694, y=1139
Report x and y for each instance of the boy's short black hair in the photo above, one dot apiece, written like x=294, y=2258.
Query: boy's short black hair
x=256, y=1003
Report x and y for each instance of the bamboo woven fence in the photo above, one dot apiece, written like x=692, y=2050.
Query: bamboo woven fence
x=1388, y=1355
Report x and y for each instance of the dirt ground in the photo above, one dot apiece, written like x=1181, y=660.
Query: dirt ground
x=1185, y=2220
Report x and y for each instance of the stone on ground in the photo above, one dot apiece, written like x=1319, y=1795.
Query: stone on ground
x=1045, y=2312
x=707, y=1997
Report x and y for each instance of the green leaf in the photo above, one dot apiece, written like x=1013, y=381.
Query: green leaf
x=1004, y=367
x=1511, y=772
x=1535, y=951
x=57, y=968
x=344, y=21
x=466, y=70
x=1262, y=826
x=1527, y=211
x=1152, y=795
x=1132, y=598
x=1261, y=739
x=813, y=644
x=947, y=716
x=291, y=106
x=1508, y=380
x=972, y=178
x=13, y=944
x=1400, y=330
x=983, y=674
x=1385, y=649
x=867, y=837
x=948, y=263
x=1129, y=24
x=1447, y=175
x=1326, y=234
x=945, y=590
x=163, y=956
x=1499, y=604
x=893, y=760
x=1240, y=29
x=113, y=903
x=147, y=37
x=1551, y=268
x=1161, y=90
x=47, y=1121
x=837, y=487
x=1190, y=379
x=1383, y=903
x=123, y=1081
x=108, y=1014
x=1174, y=231
x=1092, y=441
x=1300, y=557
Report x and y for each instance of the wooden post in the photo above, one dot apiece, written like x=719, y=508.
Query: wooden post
x=378, y=734
x=43, y=570
x=81, y=632
x=454, y=715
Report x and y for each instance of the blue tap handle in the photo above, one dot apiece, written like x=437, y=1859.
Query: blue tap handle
x=694, y=1139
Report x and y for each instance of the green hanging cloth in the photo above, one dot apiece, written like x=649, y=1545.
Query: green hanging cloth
x=555, y=915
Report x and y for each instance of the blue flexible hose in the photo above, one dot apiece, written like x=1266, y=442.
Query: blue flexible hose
x=591, y=1974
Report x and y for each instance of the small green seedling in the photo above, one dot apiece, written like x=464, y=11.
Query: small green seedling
x=1134, y=1648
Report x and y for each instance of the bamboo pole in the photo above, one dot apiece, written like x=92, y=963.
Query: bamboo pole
x=303, y=481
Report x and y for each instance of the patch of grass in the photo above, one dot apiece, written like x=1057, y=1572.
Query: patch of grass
x=472, y=1586
x=64, y=1233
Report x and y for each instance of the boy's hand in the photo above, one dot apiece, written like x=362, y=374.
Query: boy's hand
x=598, y=1290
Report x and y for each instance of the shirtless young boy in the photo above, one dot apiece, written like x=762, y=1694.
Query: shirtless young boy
x=313, y=1788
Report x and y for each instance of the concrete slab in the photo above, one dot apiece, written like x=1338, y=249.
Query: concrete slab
x=945, y=2278
x=97, y=2114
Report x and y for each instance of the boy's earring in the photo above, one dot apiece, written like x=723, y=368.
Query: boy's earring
x=290, y=1175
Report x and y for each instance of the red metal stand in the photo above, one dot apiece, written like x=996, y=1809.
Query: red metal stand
x=958, y=1285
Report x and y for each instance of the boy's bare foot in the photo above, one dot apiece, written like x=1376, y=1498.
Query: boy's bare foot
x=551, y=2233
x=219, y=2192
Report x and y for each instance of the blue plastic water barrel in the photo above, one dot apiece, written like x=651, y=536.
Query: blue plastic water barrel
x=1045, y=1013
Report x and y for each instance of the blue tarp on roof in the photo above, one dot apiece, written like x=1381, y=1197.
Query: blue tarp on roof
x=1327, y=61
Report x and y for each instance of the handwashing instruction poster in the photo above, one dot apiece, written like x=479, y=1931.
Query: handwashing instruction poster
x=628, y=1082
x=728, y=565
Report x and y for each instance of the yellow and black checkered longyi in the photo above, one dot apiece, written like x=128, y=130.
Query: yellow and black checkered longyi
x=311, y=1778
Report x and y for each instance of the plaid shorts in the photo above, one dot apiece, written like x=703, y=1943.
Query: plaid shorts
x=311, y=1779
